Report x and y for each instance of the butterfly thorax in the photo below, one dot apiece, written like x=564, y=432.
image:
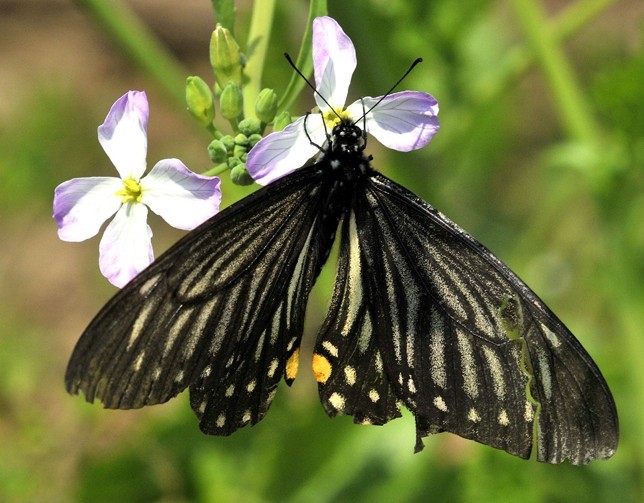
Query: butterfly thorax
x=346, y=167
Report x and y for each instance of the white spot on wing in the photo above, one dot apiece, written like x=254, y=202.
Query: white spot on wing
x=503, y=418
x=440, y=404
x=374, y=396
x=350, y=375
x=473, y=415
x=337, y=401
x=331, y=348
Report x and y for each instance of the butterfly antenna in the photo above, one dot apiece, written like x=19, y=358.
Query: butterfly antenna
x=411, y=67
x=288, y=58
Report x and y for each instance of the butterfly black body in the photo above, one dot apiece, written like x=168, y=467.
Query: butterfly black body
x=422, y=316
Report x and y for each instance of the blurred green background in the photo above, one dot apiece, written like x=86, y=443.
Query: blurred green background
x=540, y=156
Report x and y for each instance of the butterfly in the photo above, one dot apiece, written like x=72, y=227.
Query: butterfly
x=422, y=316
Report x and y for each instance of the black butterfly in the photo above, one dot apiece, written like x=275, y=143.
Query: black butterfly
x=422, y=316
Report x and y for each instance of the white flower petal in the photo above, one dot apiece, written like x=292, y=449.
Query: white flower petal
x=282, y=152
x=123, y=135
x=126, y=246
x=182, y=198
x=81, y=205
x=402, y=121
x=334, y=60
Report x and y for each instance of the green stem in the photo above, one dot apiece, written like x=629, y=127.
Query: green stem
x=258, y=37
x=140, y=44
x=214, y=131
x=216, y=170
x=571, y=104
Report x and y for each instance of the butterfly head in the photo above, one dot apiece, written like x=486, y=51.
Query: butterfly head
x=347, y=139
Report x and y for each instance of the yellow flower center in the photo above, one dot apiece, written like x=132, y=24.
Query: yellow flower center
x=131, y=191
x=333, y=117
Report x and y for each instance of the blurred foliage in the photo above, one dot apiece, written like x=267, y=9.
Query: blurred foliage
x=567, y=215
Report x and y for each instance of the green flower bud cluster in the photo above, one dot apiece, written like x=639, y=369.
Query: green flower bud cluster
x=230, y=151
x=233, y=150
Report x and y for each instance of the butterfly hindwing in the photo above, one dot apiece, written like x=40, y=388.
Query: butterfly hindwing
x=222, y=308
x=347, y=361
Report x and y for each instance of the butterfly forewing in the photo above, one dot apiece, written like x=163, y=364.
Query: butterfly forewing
x=171, y=327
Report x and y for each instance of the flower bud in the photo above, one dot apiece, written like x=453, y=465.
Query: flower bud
x=266, y=105
x=231, y=101
x=225, y=57
x=281, y=121
x=240, y=176
x=241, y=139
x=239, y=150
x=217, y=151
x=250, y=125
x=228, y=142
x=199, y=99
x=253, y=139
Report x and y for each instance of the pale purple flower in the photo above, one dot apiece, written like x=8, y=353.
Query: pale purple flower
x=182, y=198
x=402, y=121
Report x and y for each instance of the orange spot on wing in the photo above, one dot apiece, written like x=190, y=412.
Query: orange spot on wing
x=321, y=368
